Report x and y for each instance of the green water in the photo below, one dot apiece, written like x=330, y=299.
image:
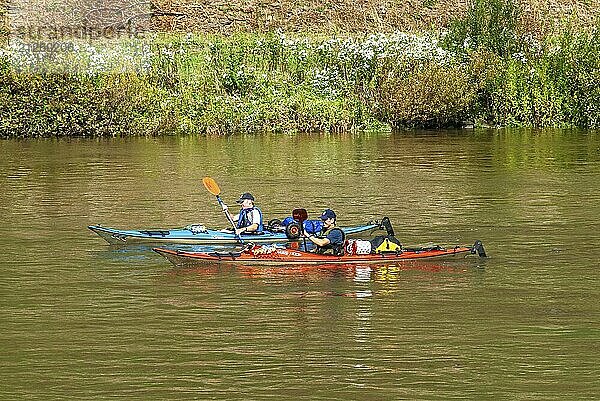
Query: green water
x=82, y=320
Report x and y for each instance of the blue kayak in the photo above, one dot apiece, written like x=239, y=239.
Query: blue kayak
x=198, y=234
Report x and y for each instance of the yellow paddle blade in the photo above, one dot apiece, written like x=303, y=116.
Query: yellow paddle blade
x=211, y=185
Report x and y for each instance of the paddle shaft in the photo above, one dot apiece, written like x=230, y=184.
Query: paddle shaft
x=212, y=187
x=226, y=211
x=301, y=216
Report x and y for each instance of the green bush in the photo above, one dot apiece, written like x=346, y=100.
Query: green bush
x=427, y=95
x=553, y=87
x=521, y=81
x=489, y=24
x=65, y=105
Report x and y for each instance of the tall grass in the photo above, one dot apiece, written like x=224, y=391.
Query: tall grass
x=489, y=24
x=529, y=82
x=556, y=86
x=212, y=84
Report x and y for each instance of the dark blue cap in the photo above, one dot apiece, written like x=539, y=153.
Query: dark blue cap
x=245, y=195
x=327, y=214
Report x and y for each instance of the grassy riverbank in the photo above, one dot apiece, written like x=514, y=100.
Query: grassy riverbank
x=485, y=70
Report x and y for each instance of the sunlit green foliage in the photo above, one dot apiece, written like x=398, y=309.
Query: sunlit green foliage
x=490, y=24
x=486, y=72
x=524, y=81
x=557, y=86
x=206, y=84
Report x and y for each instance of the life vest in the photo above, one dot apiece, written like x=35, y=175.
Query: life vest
x=335, y=249
x=244, y=218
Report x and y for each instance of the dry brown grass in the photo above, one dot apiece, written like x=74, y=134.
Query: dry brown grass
x=306, y=16
x=351, y=16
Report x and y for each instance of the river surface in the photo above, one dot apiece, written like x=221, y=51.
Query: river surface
x=83, y=320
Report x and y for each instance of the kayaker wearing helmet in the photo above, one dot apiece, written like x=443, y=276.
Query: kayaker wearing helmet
x=249, y=219
x=331, y=238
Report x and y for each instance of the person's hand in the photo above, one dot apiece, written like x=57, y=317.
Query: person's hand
x=238, y=231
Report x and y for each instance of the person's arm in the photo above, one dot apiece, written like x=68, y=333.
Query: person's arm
x=318, y=241
x=251, y=228
x=227, y=214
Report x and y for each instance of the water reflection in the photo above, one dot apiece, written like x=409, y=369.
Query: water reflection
x=358, y=274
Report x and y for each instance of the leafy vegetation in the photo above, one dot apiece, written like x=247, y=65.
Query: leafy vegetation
x=524, y=81
x=486, y=70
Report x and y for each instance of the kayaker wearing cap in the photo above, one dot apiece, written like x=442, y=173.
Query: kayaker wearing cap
x=331, y=239
x=249, y=219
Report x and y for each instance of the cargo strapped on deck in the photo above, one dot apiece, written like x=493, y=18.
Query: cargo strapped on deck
x=156, y=233
x=222, y=255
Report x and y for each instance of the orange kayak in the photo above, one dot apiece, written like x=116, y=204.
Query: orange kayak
x=271, y=255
